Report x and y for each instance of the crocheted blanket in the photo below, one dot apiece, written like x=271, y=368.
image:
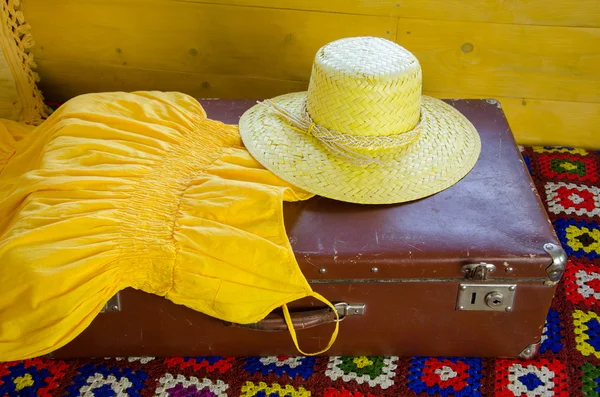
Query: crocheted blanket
x=568, y=364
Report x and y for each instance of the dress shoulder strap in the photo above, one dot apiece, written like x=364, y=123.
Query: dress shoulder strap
x=290, y=325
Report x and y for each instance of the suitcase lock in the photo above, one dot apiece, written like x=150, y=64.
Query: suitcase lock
x=486, y=297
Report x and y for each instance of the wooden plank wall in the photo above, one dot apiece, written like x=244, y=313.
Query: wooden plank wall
x=540, y=58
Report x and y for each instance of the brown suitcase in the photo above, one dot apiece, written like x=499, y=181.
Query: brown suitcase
x=470, y=271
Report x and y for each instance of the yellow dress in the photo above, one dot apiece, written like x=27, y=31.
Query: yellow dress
x=137, y=190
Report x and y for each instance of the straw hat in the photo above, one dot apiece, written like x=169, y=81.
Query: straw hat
x=362, y=133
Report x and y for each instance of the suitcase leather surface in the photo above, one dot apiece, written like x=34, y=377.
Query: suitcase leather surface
x=404, y=262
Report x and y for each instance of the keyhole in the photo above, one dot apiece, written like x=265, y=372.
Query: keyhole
x=473, y=297
x=494, y=299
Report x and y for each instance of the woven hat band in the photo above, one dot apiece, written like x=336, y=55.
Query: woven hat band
x=373, y=89
x=353, y=148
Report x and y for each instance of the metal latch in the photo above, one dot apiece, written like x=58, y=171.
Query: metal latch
x=478, y=271
x=486, y=297
x=353, y=309
x=113, y=304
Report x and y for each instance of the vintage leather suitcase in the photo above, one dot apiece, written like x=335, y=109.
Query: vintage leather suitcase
x=470, y=271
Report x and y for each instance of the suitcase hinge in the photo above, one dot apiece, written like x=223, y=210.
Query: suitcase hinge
x=478, y=271
x=559, y=261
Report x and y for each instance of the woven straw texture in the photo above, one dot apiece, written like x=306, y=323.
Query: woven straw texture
x=364, y=87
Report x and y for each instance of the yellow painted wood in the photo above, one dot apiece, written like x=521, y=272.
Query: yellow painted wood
x=366, y=7
x=261, y=48
x=471, y=58
x=533, y=121
x=530, y=12
x=61, y=81
x=544, y=122
x=540, y=62
x=192, y=37
x=536, y=122
x=522, y=12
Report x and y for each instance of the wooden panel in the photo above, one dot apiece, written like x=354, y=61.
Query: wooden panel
x=543, y=122
x=538, y=122
x=540, y=62
x=192, y=37
x=251, y=51
x=533, y=121
x=537, y=62
x=61, y=81
x=365, y=7
x=531, y=12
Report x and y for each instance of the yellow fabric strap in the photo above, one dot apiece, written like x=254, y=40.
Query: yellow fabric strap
x=288, y=320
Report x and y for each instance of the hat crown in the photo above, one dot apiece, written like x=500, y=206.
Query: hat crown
x=365, y=86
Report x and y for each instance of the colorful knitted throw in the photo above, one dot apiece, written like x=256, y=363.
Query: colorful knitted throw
x=568, y=364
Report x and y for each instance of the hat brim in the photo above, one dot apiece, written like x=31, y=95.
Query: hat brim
x=446, y=151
